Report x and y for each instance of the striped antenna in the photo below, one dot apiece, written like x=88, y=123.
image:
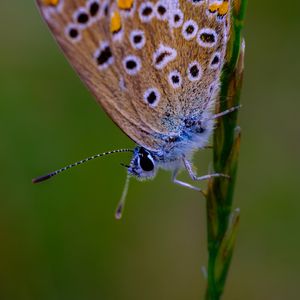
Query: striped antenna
x=48, y=176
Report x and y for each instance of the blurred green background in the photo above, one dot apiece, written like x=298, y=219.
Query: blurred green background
x=59, y=240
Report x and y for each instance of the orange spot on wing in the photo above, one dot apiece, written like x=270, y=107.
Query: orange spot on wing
x=221, y=8
x=214, y=7
x=51, y=2
x=125, y=4
x=115, y=22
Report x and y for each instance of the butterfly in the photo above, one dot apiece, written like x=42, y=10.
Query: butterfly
x=154, y=67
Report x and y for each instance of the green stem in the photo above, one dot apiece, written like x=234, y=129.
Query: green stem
x=222, y=223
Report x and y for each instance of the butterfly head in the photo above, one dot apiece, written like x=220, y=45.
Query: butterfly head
x=143, y=164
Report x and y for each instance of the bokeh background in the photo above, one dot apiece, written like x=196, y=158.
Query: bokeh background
x=59, y=240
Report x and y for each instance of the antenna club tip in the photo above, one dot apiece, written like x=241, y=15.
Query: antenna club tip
x=41, y=178
x=118, y=214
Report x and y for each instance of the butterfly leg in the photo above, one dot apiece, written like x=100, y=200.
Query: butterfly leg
x=208, y=147
x=182, y=183
x=226, y=112
x=189, y=169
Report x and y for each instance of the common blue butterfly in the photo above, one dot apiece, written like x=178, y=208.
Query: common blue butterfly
x=154, y=67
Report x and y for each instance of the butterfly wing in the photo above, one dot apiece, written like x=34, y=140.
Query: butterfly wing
x=148, y=64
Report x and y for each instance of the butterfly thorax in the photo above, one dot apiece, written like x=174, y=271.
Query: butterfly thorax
x=194, y=135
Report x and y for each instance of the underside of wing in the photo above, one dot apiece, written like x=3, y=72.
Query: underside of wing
x=149, y=64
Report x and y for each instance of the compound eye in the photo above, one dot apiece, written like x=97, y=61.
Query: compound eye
x=146, y=164
x=146, y=161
